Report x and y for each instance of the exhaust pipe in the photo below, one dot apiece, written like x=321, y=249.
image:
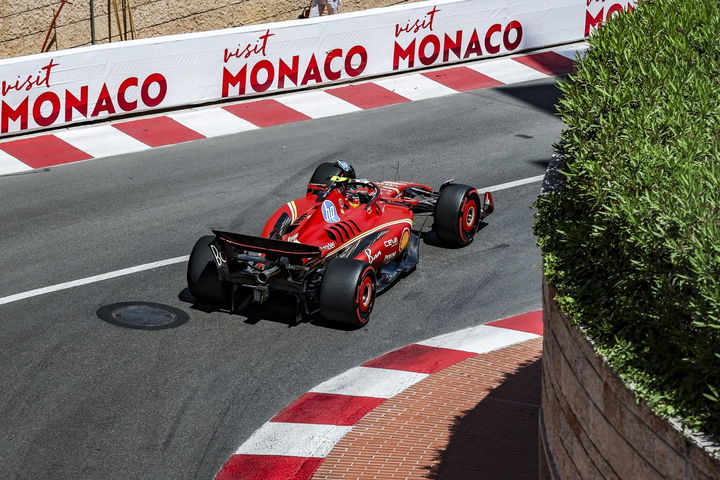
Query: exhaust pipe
x=265, y=275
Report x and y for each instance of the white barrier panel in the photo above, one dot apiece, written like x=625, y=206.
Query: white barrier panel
x=57, y=88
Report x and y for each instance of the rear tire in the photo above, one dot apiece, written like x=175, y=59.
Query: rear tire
x=457, y=214
x=202, y=276
x=326, y=170
x=347, y=293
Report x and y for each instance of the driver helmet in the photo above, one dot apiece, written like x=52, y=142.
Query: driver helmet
x=347, y=169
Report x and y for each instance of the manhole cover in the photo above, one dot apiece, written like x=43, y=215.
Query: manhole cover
x=142, y=315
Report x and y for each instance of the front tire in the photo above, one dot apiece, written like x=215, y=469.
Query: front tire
x=347, y=293
x=202, y=277
x=457, y=214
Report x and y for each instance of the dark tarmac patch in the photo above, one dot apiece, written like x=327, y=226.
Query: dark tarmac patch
x=142, y=315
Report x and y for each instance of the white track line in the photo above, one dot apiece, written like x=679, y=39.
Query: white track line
x=94, y=279
x=516, y=183
x=185, y=258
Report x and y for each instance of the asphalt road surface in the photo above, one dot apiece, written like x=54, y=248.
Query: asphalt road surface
x=84, y=398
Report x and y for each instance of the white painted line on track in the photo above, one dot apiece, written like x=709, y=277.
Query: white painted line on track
x=481, y=339
x=516, y=183
x=185, y=258
x=213, y=122
x=318, y=104
x=370, y=382
x=10, y=164
x=293, y=439
x=93, y=279
x=101, y=141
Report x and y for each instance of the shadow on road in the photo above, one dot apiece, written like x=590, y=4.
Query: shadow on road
x=499, y=437
x=543, y=97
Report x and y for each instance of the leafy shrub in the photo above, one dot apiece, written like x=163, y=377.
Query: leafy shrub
x=632, y=241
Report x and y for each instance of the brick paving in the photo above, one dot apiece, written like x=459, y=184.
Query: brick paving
x=475, y=419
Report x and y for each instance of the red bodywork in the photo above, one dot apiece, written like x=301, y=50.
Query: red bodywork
x=336, y=222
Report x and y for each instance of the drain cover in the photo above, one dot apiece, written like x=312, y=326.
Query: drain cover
x=142, y=315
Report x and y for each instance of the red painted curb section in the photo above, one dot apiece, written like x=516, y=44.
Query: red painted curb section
x=419, y=359
x=530, y=322
x=348, y=410
x=328, y=409
x=45, y=151
x=158, y=131
x=367, y=95
x=549, y=63
x=462, y=79
x=266, y=113
x=268, y=467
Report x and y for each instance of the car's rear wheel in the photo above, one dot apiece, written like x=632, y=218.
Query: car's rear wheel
x=457, y=214
x=347, y=293
x=325, y=171
x=202, y=277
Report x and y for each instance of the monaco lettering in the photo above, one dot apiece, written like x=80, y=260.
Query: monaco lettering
x=593, y=22
x=432, y=48
x=50, y=106
x=263, y=75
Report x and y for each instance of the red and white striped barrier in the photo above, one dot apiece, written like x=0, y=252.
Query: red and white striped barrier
x=53, y=89
x=85, y=143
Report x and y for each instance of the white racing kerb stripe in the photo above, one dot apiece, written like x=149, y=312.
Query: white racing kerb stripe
x=185, y=258
x=9, y=164
x=212, y=122
x=293, y=439
x=482, y=339
x=318, y=104
x=101, y=141
x=370, y=382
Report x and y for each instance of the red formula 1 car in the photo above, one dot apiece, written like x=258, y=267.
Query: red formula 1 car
x=334, y=249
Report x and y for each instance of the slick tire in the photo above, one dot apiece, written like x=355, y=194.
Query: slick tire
x=457, y=214
x=202, y=277
x=347, y=293
x=324, y=171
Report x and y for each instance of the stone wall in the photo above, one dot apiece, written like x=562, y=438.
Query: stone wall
x=591, y=425
x=24, y=25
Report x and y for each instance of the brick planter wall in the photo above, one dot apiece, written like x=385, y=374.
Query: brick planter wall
x=591, y=425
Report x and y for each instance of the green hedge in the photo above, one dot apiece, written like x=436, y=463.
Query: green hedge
x=632, y=240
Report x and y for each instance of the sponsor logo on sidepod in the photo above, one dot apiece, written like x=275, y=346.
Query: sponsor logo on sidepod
x=329, y=212
x=371, y=257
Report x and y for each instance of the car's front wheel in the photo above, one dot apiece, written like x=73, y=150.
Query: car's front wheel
x=347, y=293
x=457, y=214
x=202, y=277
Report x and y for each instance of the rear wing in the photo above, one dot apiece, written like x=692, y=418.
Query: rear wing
x=271, y=248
